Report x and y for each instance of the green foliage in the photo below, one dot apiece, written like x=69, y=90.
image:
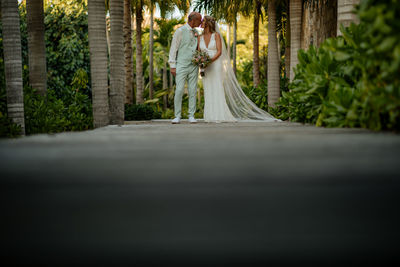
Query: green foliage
x=67, y=45
x=162, y=39
x=168, y=114
x=165, y=31
x=258, y=95
x=80, y=80
x=7, y=127
x=51, y=115
x=351, y=81
x=2, y=76
x=244, y=73
x=141, y=112
x=67, y=106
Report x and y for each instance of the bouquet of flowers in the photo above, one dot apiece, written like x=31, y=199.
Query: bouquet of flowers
x=201, y=59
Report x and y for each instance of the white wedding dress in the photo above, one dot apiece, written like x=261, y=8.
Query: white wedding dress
x=215, y=107
x=224, y=99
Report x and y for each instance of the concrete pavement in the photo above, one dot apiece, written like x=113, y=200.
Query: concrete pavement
x=248, y=193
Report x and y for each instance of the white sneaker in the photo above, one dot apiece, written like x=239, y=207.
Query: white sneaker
x=192, y=120
x=176, y=121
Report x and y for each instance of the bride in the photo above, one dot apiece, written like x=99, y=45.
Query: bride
x=224, y=99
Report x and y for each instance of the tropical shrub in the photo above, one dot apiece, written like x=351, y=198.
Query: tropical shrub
x=7, y=127
x=351, y=81
x=51, y=115
x=140, y=112
x=258, y=95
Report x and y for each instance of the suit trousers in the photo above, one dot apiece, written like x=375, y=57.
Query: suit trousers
x=186, y=73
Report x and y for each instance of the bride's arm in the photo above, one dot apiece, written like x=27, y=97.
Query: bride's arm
x=219, y=47
x=198, y=42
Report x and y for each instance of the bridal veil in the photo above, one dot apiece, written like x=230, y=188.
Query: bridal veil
x=241, y=107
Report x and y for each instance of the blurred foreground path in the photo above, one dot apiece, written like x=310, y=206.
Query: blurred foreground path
x=246, y=194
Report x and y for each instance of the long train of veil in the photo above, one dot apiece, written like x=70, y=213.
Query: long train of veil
x=241, y=107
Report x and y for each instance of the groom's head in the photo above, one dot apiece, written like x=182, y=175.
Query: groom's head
x=194, y=19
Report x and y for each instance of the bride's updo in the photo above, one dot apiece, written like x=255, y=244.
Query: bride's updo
x=210, y=22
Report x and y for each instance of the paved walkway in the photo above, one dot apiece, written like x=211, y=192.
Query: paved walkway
x=214, y=194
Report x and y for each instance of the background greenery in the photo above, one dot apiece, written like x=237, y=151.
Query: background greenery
x=67, y=106
x=351, y=81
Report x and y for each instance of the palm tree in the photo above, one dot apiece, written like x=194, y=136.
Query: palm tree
x=295, y=11
x=319, y=22
x=273, y=56
x=128, y=51
x=345, y=14
x=256, y=42
x=287, y=40
x=139, y=52
x=13, y=62
x=98, y=61
x=165, y=7
x=36, y=46
x=151, y=53
x=117, y=76
x=249, y=9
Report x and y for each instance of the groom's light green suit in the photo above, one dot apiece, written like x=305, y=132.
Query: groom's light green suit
x=184, y=44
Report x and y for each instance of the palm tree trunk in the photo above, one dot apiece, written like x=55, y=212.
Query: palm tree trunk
x=133, y=58
x=13, y=62
x=273, y=57
x=151, y=60
x=165, y=82
x=295, y=33
x=234, y=45
x=345, y=15
x=36, y=46
x=128, y=52
x=278, y=36
x=287, y=47
x=98, y=61
x=117, y=72
x=139, y=52
x=256, y=56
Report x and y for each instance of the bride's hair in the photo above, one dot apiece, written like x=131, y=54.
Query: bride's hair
x=210, y=22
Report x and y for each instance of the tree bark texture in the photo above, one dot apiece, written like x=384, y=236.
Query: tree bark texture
x=234, y=45
x=345, y=14
x=139, y=52
x=36, y=46
x=287, y=47
x=319, y=22
x=295, y=33
x=273, y=57
x=117, y=71
x=98, y=62
x=151, y=58
x=128, y=52
x=13, y=62
x=256, y=51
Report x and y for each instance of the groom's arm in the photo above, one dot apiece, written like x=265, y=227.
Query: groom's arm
x=176, y=41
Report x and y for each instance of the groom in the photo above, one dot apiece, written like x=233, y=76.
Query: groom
x=183, y=45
